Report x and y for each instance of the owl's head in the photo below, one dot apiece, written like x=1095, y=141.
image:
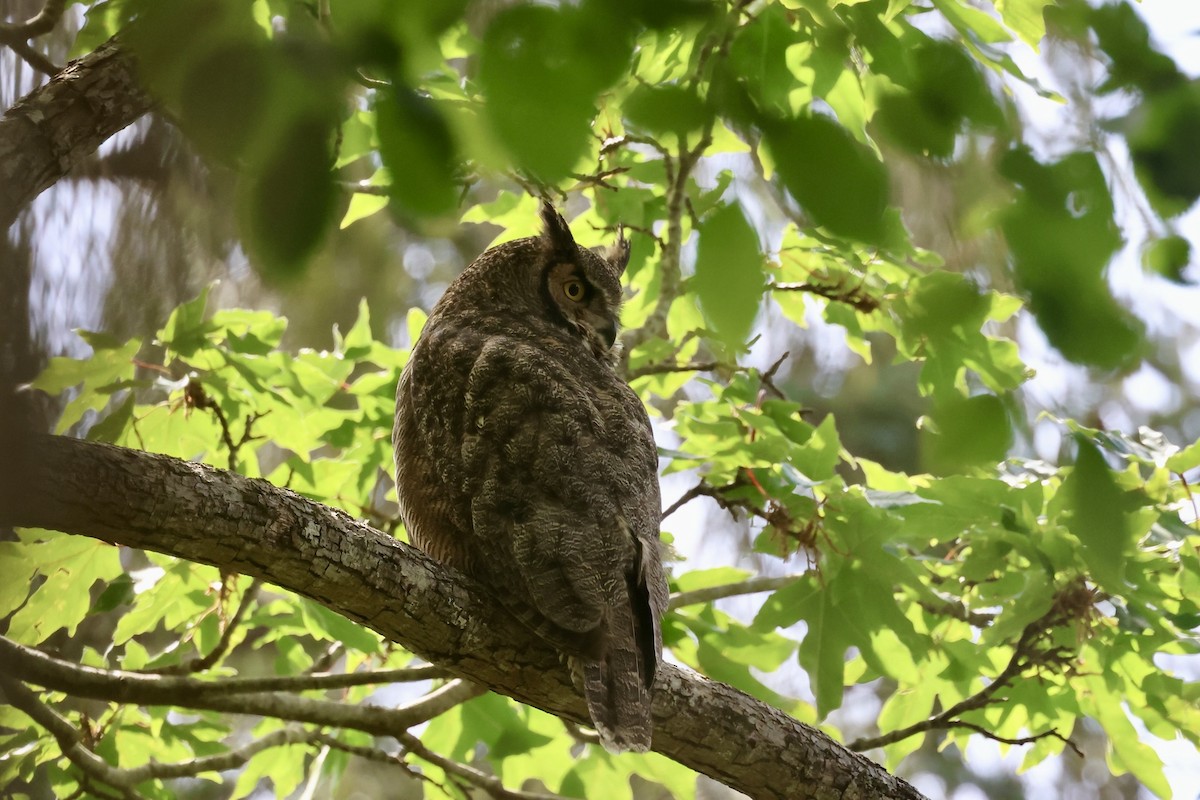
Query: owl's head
x=582, y=287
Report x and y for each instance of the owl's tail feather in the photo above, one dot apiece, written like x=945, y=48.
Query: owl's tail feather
x=616, y=690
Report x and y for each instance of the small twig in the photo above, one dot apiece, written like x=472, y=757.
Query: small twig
x=600, y=179
x=701, y=489
x=362, y=79
x=68, y=737
x=42, y=22
x=326, y=659
x=956, y=610
x=34, y=59
x=232, y=759
x=748, y=586
x=490, y=784
x=666, y=367
x=767, y=379
x=1022, y=740
x=855, y=298
x=362, y=187
x=581, y=734
x=201, y=663
x=1025, y=654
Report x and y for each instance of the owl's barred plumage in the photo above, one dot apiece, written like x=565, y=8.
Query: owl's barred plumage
x=524, y=460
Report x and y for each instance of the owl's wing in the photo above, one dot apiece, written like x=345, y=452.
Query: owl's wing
x=562, y=478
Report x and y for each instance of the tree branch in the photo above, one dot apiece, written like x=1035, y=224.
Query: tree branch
x=750, y=586
x=248, y=526
x=40, y=23
x=118, y=686
x=59, y=124
x=1025, y=653
x=69, y=740
x=490, y=784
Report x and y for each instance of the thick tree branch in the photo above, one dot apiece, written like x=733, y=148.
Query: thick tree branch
x=60, y=124
x=202, y=514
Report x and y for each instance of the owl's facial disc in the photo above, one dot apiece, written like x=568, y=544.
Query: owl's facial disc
x=583, y=306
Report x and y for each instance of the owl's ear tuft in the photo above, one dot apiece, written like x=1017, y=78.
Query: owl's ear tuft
x=617, y=253
x=556, y=236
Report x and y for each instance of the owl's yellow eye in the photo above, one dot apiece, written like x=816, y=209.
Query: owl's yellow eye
x=574, y=289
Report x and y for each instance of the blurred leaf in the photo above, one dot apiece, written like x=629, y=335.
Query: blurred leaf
x=1062, y=235
x=836, y=179
x=1168, y=257
x=225, y=98
x=287, y=202
x=1161, y=133
x=1124, y=37
x=1025, y=18
x=541, y=69
x=666, y=109
x=729, y=281
x=972, y=22
x=758, y=57
x=969, y=432
x=418, y=150
x=946, y=91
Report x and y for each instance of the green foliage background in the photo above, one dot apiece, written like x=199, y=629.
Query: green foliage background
x=981, y=593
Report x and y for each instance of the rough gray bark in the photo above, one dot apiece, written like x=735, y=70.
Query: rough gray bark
x=252, y=527
x=63, y=122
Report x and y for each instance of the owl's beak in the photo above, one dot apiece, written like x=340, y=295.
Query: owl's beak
x=609, y=332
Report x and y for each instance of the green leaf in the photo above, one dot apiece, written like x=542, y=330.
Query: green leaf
x=946, y=90
x=1098, y=516
x=358, y=340
x=729, y=280
x=836, y=179
x=1159, y=133
x=332, y=627
x=972, y=22
x=362, y=205
x=70, y=565
x=186, y=329
x=1186, y=459
x=708, y=578
x=1107, y=707
x=1024, y=17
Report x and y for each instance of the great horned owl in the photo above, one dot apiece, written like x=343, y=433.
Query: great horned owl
x=524, y=460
